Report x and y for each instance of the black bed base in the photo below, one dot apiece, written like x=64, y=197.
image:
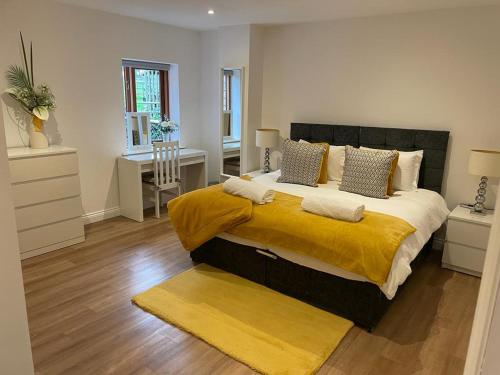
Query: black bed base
x=361, y=302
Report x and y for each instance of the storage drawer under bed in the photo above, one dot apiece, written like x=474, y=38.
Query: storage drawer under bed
x=358, y=301
x=222, y=254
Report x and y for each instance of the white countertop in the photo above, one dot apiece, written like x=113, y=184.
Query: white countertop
x=148, y=157
x=27, y=152
x=463, y=214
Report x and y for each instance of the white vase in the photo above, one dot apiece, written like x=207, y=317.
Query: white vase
x=38, y=140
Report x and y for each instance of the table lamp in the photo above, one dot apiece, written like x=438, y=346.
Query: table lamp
x=267, y=138
x=485, y=163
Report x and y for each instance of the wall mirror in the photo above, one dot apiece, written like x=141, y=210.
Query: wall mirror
x=231, y=120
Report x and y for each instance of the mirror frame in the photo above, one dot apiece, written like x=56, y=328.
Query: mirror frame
x=130, y=144
x=222, y=175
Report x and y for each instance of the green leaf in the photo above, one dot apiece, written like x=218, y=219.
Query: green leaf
x=31, y=63
x=23, y=106
x=24, y=55
x=17, y=78
x=41, y=112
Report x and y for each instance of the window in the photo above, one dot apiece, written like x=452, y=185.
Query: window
x=146, y=90
x=226, y=102
x=226, y=91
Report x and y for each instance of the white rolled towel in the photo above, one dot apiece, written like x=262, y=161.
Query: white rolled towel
x=335, y=207
x=254, y=191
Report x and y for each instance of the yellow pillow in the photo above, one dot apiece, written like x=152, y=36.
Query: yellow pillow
x=323, y=174
x=390, y=189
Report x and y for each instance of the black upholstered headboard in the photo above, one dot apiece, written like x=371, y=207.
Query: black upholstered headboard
x=434, y=143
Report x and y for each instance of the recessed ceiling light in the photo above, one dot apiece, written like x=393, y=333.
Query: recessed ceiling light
x=211, y=11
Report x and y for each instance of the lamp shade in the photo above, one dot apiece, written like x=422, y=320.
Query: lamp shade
x=267, y=138
x=484, y=163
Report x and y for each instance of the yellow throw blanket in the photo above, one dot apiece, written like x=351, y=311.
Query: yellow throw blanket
x=366, y=248
x=202, y=214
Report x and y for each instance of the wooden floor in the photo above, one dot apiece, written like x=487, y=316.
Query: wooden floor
x=82, y=322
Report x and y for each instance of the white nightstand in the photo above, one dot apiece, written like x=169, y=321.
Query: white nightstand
x=466, y=241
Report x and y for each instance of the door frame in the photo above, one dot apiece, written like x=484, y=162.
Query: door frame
x=486, y=301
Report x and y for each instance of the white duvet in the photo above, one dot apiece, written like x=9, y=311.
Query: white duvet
x=424, y=209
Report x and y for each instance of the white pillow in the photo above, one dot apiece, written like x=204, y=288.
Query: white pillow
x=407, y=171
x=336, y=160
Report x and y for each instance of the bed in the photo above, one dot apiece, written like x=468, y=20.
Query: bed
x=343, y=293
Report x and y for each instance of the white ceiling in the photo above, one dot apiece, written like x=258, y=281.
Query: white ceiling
x=193, y=13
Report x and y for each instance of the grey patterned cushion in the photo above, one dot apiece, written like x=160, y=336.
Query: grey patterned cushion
x=301, y=163
x=367, y=172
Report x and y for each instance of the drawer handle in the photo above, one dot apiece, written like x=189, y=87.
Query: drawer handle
x=266, y=254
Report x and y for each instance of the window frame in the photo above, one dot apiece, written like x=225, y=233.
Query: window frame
x=226, y=104
x=226, y=101
x=129, y=68
x=131, y=93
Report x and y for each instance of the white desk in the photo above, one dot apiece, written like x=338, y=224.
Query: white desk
x=194, y=175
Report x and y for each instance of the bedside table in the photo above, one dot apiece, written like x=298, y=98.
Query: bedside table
x=466, y=241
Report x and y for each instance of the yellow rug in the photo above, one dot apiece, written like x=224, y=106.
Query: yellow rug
x=266, y=330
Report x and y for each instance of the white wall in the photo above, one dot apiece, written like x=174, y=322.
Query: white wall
x=491, y=364
x=226, y=47
x=210, y=102
x=231, y=47
x=15, y=349
x=482, y=354
x=78, y=53
x=429, y=70
x=255, y=85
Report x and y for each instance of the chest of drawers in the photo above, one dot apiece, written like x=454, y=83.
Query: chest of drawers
x=46, y=192
x=466, y=241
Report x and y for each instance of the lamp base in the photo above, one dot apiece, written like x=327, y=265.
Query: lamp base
x=478, y=208
x=267, y=166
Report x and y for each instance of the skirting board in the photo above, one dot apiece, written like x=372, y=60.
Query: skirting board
x=460, y=269
x=94, y=217
x=49, y=248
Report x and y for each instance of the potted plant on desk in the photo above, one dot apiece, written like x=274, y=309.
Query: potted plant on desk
x=37, y=101
x=168, y=127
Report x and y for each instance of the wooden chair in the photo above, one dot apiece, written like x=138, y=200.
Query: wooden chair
x=166, y=172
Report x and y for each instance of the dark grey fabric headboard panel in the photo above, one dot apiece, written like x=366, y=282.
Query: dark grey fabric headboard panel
x=434, y=143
